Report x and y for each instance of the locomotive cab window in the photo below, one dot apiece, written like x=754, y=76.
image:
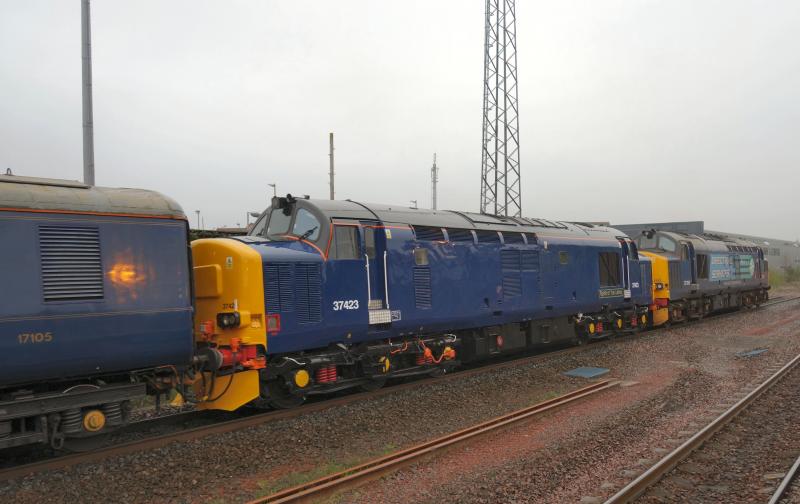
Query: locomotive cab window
x=609, y=269
x=369, y=242
x=306, y=225
x=647, y=243
x=278, y=223
x=667, y=244
x=345, y=242
x=260, y=227
x=684, y=252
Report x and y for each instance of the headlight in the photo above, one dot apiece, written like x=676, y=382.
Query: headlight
x=228, y=320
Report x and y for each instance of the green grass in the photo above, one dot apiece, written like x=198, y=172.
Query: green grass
x=776, y=279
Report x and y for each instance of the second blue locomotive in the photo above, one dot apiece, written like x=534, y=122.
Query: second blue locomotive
x=351, y=294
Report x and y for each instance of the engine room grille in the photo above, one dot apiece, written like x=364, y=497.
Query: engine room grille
x=422, y=288
x=72, y=268
x=530, y=260
x=510, y=261
x=308, y=301
x=279, y=287
x=675, y=276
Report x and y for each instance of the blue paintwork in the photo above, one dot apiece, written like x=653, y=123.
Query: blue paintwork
x=466, y=286
x=136, y=325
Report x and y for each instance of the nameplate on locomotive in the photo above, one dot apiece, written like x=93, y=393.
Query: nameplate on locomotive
x=615, y=292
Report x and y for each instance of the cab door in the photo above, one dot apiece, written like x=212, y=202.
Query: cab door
x=375, y=271
x=626, y=266
x=689, y=265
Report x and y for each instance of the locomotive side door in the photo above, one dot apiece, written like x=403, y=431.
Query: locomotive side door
x=688, y=254
x=626, y=266
x=375, y=266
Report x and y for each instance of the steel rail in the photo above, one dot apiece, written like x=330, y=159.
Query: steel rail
x=638, y=486
x=158, y=441
x=786, y=483
x=369, y=470
x=64, y=461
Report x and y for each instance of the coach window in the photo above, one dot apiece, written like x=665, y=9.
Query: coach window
x=306, y=225
x=345, y=242
x=609, y=269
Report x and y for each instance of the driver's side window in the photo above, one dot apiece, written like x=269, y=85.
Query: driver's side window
x=305, y=225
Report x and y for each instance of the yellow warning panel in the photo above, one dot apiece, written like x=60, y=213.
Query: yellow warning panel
x=226, y=395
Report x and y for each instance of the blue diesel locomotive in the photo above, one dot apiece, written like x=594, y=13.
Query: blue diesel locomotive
x=694, y=275
x=95, y=305
x=99, y=289
x=344, y=294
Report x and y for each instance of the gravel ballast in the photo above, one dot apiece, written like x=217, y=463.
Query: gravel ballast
x=671, y=378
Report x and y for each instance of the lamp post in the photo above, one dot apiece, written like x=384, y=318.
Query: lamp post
x=274, y=189
x=198, y=218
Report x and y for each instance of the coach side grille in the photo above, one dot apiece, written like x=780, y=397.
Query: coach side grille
x=72, y=268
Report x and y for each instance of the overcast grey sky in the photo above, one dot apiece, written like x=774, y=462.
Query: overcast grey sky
x=631, y=111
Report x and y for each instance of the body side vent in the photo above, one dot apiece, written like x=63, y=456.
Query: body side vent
x=279, y=287
x=72, y=268
x=308, y=301
x=530, y=260
x=675, y=275
x=422, y=288
x=511, y=263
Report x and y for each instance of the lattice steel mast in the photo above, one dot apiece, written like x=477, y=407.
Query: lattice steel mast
x=500, y=177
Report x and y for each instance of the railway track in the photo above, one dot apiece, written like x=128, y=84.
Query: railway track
x=785, y=486
x=655, y=473
x=360, y=474
x=188, y=434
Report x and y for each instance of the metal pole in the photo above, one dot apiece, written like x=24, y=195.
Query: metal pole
x=331, y=158
x=434, y=180
x=198, y=218
x=88, y=121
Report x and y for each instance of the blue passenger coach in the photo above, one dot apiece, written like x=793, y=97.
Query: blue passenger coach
x=95, y=296
x=354, y=293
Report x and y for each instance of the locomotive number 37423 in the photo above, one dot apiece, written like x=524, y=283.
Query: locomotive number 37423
x=349, y=304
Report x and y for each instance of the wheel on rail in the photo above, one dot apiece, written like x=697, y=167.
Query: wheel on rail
x=372, y=385
x=279, y=396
